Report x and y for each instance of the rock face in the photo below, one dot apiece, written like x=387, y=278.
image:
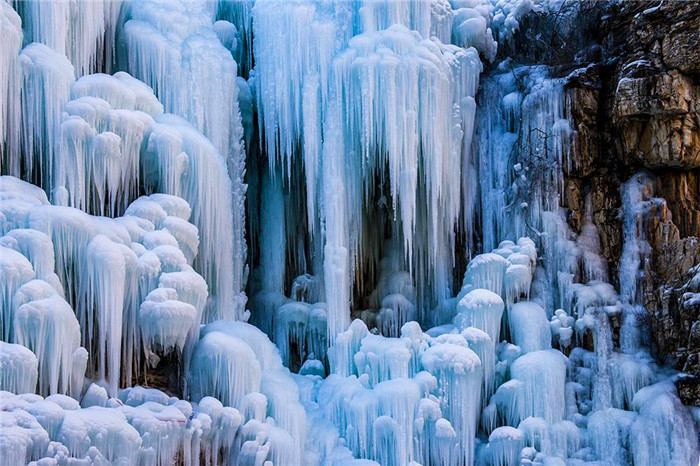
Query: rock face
x=634, y=89
x=658, y=119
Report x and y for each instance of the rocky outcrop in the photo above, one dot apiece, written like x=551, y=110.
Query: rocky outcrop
x=653, y=117
x=634, y=90
x=658, y=120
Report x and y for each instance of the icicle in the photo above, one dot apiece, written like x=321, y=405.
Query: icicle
x=102, y=134
x=483, y=346
x=10, y=78
x=82, y=30
x=46, y=80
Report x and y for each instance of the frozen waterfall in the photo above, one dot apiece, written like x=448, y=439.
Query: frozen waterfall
x=291, y=232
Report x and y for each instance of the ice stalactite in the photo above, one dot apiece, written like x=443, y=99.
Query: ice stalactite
x=638, y=202
x=82, y=30
x=11, y=29
x=335, y=122
x=336, y=251
x=46, y=79
x=418, y=162
x=236, y=16
x=194, y=76
x=305, y=55
x=103, y=130
x=272, y=231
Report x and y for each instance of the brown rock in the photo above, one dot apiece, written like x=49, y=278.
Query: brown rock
x=665, y=93
x=681, y=46
x=681, y=190
x=689, y=390
x=662, y=142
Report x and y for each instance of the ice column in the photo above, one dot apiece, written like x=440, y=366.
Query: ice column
x=11, y=31
x=46, y=79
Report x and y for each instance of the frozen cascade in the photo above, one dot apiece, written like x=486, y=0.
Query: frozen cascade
x=82, y=30
x=105, y=292
x=194, y=76
x=378, y=176
x=327, y=81
x=116, y=141
x=184, y=163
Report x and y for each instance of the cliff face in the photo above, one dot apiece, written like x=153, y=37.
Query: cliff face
x=634, y=84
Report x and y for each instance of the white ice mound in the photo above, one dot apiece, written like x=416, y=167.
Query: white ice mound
x=48, y=327
x=165, y=321
x=529, y=327
x=487, y=271
x=481, y=309
x=224, y=367
x=19, y=368
x=238, y=364
x=142, y=426
x=536, y=388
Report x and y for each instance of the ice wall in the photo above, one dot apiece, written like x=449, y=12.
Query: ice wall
x=529, y=139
